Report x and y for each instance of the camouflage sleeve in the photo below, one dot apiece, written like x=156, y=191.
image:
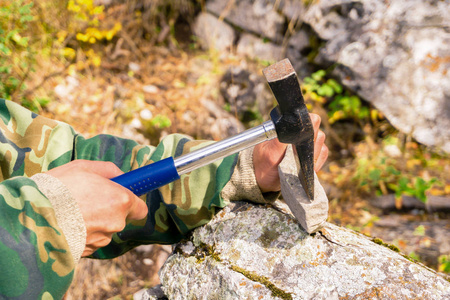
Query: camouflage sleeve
x=35, y=260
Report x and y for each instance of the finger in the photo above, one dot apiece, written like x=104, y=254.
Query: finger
x=103, y=168
x=138, y=210
x=315, y=119
x=318, y=144
x=96, y=241
x=275, y=151
x=321, y=159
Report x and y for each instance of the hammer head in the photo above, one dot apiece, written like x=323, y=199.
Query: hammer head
x=291, y=118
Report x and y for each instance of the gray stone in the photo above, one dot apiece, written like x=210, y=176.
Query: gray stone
x=297, y=51
x=221, y=123
x=256, y=16
x=255, y=47
x=292, y=9
x=256, y=252
x=310, y=214
x=246, y=93
x=213, y=33
x=395, y=55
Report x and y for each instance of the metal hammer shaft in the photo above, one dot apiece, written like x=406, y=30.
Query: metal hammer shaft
x=224, y=148
x=155, y=175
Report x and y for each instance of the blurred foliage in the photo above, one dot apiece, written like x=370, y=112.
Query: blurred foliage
x=36, y=31
x=381, y=163
x=17, y=55
x=388, y=169
x=444, y=263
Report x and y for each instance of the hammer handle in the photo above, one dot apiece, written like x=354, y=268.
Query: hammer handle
x=160, y=173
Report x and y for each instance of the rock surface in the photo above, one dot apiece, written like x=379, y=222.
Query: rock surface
x=311, y=215
x=255, y=252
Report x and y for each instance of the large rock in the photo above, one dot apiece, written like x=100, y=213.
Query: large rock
x=394, y=54
x=213, y=33
x=255, y=252
x=259, y=17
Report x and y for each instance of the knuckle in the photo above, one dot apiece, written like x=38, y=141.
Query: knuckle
x=123, y=200
x=105, y=241
x=325, y=151
x=321, y=136
x=316, y=119
x=116, y=226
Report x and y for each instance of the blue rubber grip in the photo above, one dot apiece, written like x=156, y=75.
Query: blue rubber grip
x=150, y=177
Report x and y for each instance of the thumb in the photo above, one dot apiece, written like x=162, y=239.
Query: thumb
x=138, y=210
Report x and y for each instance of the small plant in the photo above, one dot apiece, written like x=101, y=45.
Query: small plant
x=341, y=103
x=444, y=264
x=384, y=174
x=160, y=122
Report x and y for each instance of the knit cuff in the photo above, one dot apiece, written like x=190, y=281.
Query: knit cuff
x=243, y=185
x=67, y=211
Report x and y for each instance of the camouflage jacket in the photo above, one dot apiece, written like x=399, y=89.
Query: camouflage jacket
x=36, y=259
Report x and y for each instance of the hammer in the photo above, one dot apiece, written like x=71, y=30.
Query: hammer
x=290, y=122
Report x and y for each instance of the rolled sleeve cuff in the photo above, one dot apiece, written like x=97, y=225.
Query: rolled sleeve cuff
x=243, y=185
x=67, y=211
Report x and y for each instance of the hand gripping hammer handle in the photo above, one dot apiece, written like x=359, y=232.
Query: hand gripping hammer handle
x=160, y=173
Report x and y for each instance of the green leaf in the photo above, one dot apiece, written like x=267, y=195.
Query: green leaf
x=392, y=170
x=5, y=50
x=414, y=256
x=335, y=85
x=43, y=102
x=354, y=103
x=421, y=186
x=419, y=230
x=403, y=183
x=5, y=69
x=25, y=9
x=393, y=187
x=21, y=41
x=363, y=112
x=325, y=90
x=375, y=175
x=318, y=75
x=25, y=19
x=309, y=80
x=161, y=121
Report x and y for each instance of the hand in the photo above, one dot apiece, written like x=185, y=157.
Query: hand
x=105, y=205
x=267, y=156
